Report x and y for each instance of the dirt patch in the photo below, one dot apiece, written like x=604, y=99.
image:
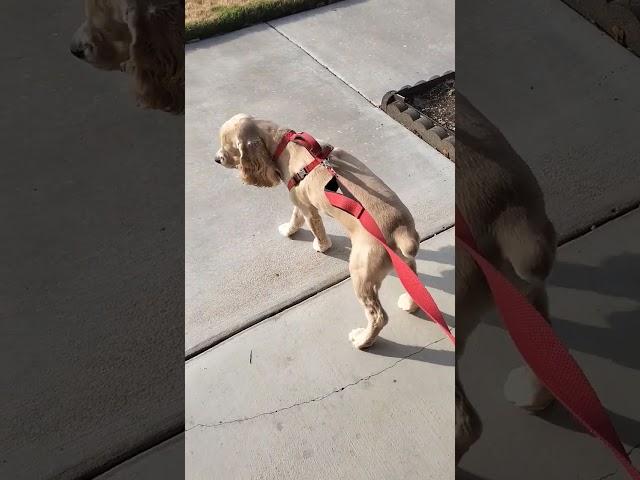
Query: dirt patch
x=439, y=104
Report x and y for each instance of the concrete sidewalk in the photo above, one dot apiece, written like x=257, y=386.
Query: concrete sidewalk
x=595, y=308
x=232, y=281
x=290, y=398
x=587, y=163
x=377, y=45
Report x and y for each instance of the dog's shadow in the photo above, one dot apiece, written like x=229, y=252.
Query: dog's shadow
x=389, y=348
x=340, y=245
x=464, y=475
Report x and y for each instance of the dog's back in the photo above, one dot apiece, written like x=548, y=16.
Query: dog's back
x=393, y=217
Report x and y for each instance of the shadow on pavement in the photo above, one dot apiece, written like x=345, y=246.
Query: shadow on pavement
x=340, y=248
x=445, y=255
x=615, y=339
x=623, y=276
x=464, y=475
x=389, y=348
x=628, y=428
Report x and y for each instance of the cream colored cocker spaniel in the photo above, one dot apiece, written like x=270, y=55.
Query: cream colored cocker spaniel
x=141, y=37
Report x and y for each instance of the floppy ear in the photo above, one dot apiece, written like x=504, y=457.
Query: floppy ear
x=256, y=165
x=157, y=53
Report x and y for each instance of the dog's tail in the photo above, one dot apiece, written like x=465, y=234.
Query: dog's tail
x=407, y=240
x=529, y=244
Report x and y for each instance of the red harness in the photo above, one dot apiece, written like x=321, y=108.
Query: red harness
x=407, y=277
x=541, y=349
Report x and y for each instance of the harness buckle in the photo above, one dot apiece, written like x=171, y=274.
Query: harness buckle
x=299, y=176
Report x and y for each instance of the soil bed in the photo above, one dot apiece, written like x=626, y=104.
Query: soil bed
x=439, y=104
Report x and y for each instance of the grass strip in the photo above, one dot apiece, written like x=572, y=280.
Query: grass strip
x=224, y=19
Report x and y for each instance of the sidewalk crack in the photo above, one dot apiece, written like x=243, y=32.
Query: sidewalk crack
x=352, y=87
x=316, y=399
x=609, y=475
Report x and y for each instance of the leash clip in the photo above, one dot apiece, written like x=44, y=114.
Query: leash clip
x=325, y=164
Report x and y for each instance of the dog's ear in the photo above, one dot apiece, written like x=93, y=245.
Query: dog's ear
x=156, y=57
x=256, y=165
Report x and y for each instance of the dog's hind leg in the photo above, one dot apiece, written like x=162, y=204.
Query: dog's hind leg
x=468, y=424
x=405, y=302
x=368, y=266
x=291, y=227
x=408, y=242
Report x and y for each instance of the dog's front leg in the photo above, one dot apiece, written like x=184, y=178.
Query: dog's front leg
x=293, y=225
x=321, y=242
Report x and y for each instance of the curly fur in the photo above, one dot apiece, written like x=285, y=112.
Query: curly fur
x=256, y=166
x=143, y=38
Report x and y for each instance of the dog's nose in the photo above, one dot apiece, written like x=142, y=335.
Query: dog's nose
x=77, y=52
x=218, y=159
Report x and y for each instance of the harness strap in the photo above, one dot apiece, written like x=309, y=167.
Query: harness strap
x=313, y=147
x=545, y=354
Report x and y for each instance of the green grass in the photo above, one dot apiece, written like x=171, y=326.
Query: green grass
x=210, y=18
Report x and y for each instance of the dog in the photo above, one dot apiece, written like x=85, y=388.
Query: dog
x=503, y=204
x=248, y=145
x=143, y=38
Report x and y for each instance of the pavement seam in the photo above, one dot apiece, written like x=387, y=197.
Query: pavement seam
x=597, y=223
x=316, y=399
x=352, y=87
x=134, y=452
x=277, y=311
x=609, y=475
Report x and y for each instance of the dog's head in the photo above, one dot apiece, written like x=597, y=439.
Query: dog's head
x=141, y=37
x=242, y=147
x=104, y=38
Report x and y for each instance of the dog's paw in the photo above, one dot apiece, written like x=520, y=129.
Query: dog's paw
x=321, y=247
x=524, y=390
x=406, y=303
x=286, y=230
x=360, y=339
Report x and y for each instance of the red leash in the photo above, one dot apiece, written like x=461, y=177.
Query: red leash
x=545, y=354
x=408, y=278
x=541, y=349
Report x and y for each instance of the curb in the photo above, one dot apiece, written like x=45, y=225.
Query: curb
x=620, y=19
x=397, y=104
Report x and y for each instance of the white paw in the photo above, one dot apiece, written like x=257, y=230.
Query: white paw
x=406, y=303
x=359, y=338
x=524, y=390
x=286, y=230
x=321, y=247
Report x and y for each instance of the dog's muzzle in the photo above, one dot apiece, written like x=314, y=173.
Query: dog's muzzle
x=77, y=51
